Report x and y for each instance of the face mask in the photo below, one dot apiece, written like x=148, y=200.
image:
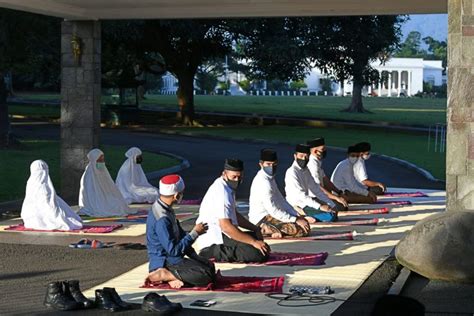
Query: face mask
x=139, y=159
x=100, y=165
x=234, y=184
x=353, y=160
x=322, y=154
x=179, y=198
x=302, y=163
x=366, y=157
x=270, y=170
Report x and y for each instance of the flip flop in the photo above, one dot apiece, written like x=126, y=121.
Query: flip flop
x=80, y=243
x=89, y=244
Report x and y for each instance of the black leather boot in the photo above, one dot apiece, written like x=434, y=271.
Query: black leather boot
x=176, y=306
x=71, y=288
x=104, y=300
x=116, y=298
x=152, y=302
x=56, y=298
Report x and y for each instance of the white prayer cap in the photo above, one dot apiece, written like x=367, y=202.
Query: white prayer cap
x=94, y=155
x=171, y=184
x=133, y=152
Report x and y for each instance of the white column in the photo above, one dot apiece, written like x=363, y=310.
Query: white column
x=389, y=84
x=379, y=85
x=409, y=75
x=399, y=82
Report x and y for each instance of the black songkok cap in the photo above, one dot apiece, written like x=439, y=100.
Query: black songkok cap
x=316, y=142
x=268, y=154
x=353, y=149
x=363, y=147
x=302, y=148
x=233, y=165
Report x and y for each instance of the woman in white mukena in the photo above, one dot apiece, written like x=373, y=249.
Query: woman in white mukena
x=42, y=208
x=132, y=182
x=99, y=196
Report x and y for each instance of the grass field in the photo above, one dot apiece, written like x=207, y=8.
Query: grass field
x=408, y=146
x=392, y=110
x=16, y=164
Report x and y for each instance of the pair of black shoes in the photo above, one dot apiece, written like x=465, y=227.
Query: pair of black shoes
x=153, y=302
x=65, y=296
x=108, y=299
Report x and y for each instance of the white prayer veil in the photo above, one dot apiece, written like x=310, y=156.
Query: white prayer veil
x=132, y=182
x=42, y=208
x=98, y=196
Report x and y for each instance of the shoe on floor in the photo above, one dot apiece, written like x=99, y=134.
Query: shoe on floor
x=57, y=299
x=152, y=302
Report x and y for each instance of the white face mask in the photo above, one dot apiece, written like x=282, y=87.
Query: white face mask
x=353, y=160
x=366, y=157
x=100, y=165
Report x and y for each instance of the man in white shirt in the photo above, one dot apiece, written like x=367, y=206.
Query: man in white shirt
x=360, y=171
x=225, y=241
x=304, y=194
x=268, y=208
x=343, y=177
x=315, y=167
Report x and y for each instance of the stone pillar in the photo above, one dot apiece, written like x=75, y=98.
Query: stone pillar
x=379, y=86
x=460, y=114
x=80, y=100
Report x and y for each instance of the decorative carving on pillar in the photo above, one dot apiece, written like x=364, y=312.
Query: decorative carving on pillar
x=76, y=44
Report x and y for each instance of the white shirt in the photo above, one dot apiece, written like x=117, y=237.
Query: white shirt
x=315, y=167
x=344, y=179
x=266, y=199
x=218, y=203
x=300, y=188
x=132, y=182
x=360, y=172
x=42, y=208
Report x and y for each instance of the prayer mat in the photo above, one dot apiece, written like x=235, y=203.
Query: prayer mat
x=86, y=229
x=191, y=202
x=138, y=214
x=292, y=259
x=383, y=210
x=405, y=194
x=142, y=218
x=399, y=203
x=350, y=222
x=231, y=284
x=323, y=235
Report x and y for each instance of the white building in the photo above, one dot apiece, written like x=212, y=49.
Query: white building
x=401, y=77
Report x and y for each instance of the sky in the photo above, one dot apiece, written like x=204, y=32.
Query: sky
x=434, y=25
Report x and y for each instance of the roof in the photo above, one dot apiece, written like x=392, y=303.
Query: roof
x=156, y=9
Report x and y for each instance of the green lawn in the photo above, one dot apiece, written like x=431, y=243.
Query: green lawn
x=15, y=164
x=393, y=110
x=408, y=146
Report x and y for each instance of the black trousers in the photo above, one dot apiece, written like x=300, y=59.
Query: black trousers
x=234, y=251
x=194, y=272
x=376, y=190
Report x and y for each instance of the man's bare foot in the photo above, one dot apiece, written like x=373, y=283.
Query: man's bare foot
x=176, y=284
x=277, y=235
x=310, y=219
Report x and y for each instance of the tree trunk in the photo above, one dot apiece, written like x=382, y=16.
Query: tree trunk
x=4, y=119
x=185, y=96
x=342, y=87
x=356, y=101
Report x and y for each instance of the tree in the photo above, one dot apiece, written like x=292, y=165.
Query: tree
x=437, y=50
x=298, y=85
x=347, y=45
x=411, y=47
x=185, y=45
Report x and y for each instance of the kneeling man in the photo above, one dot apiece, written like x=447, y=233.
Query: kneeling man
x=268, y=208
x=304, y=194
x=167, y=242
x=360, y=171
x=225, y=241
x=343, y=177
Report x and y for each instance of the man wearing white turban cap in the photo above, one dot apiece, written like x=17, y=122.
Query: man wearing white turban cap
x=98, y=196
x=42, y=208
x=132, y=182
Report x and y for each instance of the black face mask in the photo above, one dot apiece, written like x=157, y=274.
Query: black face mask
x=270, y=170
x=302, y=163
x=234, y=184
x=139, y=159
x=322, y=154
